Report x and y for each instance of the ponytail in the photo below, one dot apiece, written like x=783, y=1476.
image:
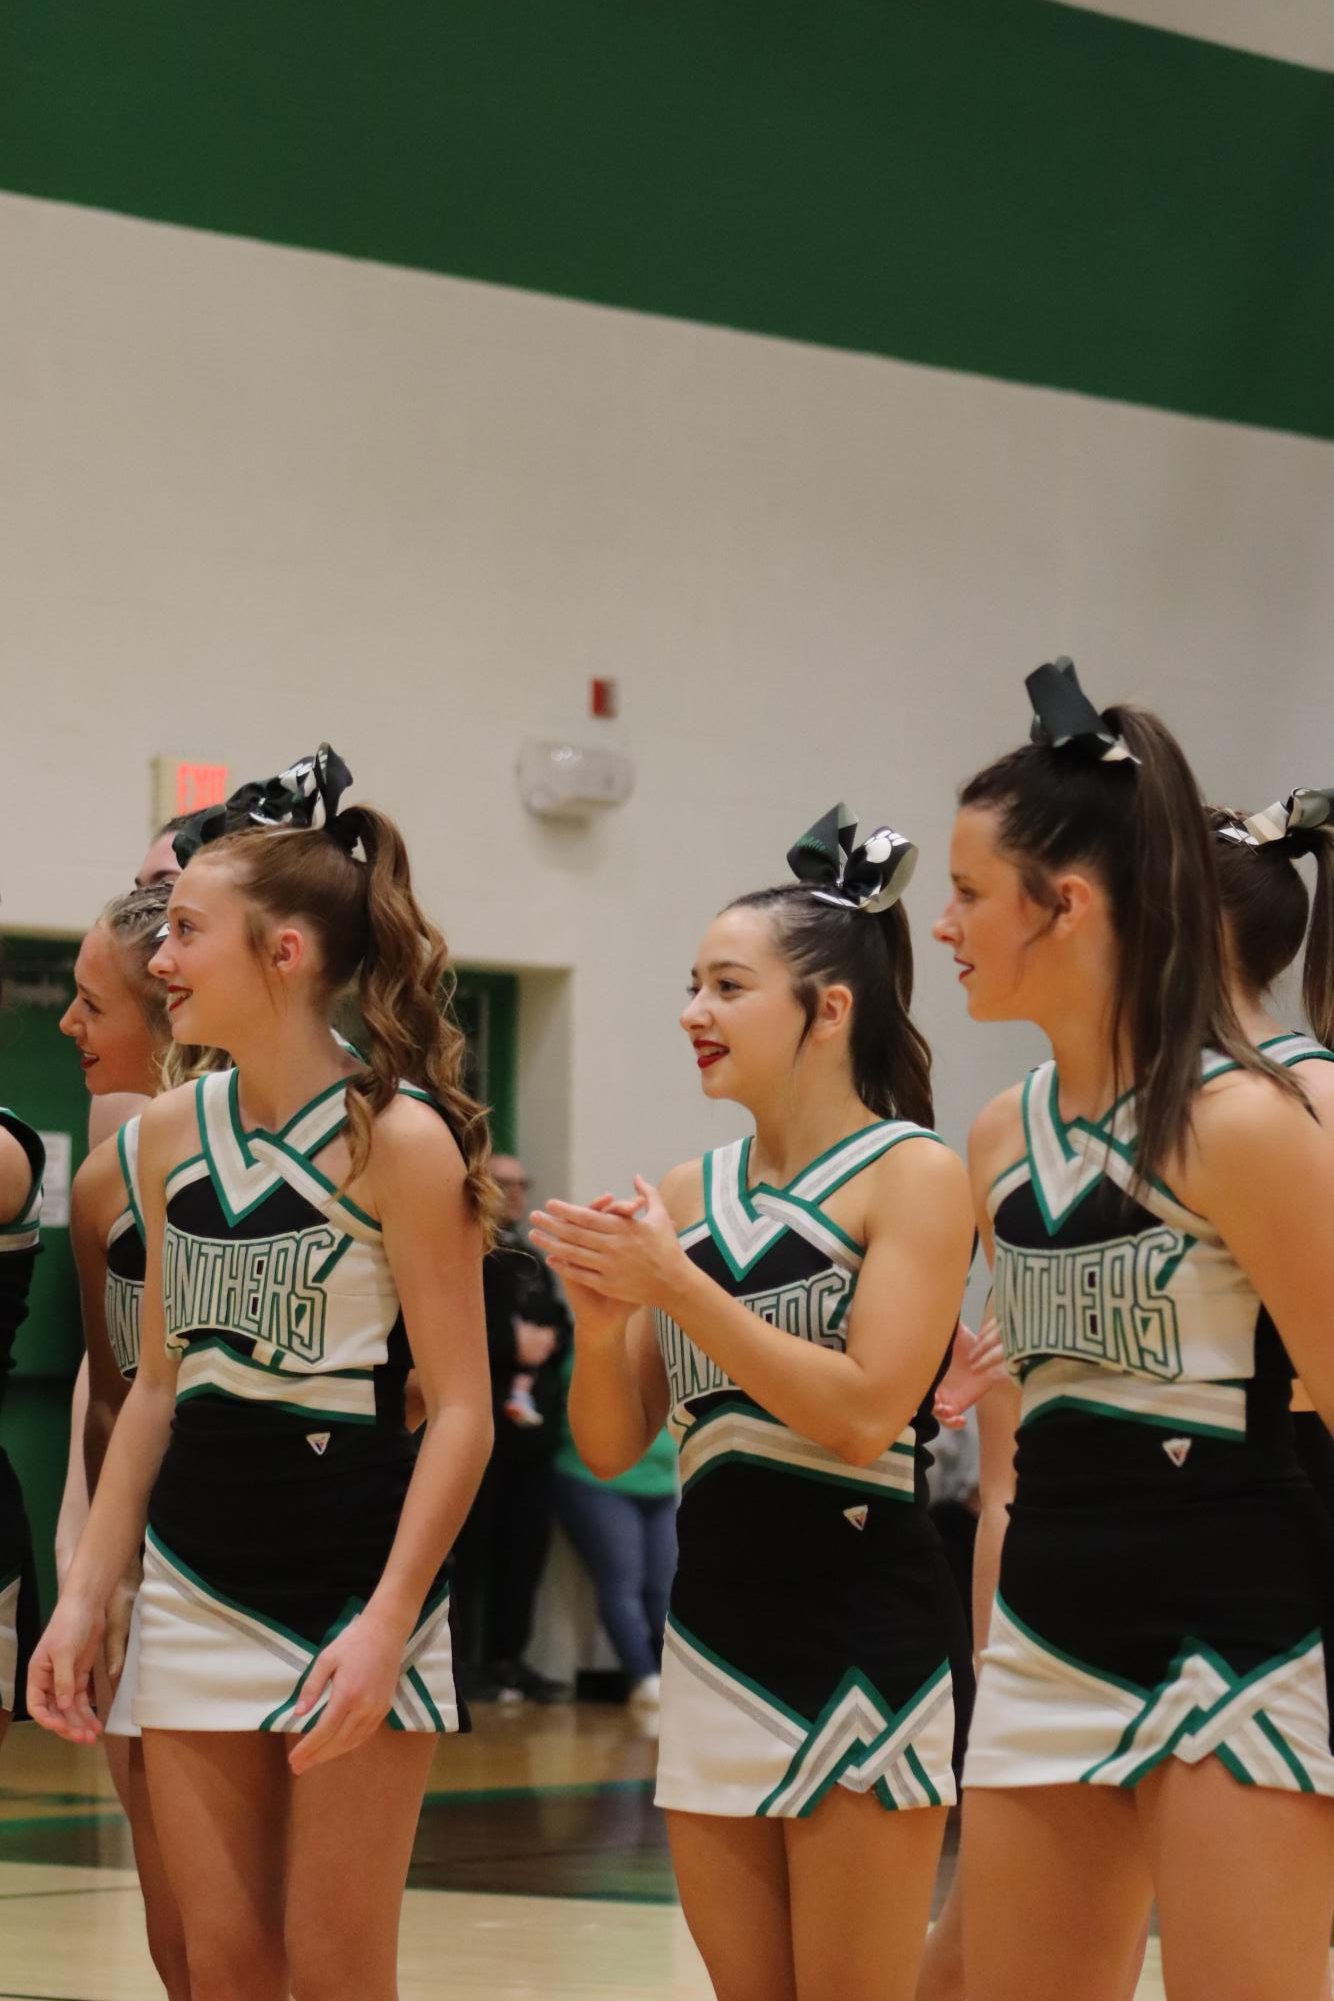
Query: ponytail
x=1267, y=908
x=374, y=935
x=1318, y=970
x=403, y=988
x=826, y=944
x=1137, y=822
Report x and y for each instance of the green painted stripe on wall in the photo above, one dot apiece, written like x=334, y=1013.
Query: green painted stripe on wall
x=1002, y=186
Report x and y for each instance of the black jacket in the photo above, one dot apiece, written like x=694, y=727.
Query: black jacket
x=516, y=1285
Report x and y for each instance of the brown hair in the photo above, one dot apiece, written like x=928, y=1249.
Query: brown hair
x=1141, y=829
x=372, y=931
x=135, y=921
x=827, y=944
x=1267, y=907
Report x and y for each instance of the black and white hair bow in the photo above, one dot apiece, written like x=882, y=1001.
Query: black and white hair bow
x=307, y=794
x=1064, y=716
x=1302, y=812
x=868, y=877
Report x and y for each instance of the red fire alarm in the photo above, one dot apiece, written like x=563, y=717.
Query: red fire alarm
x=602, y=697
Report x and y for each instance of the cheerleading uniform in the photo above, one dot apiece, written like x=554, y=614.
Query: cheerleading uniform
x=280, y=1491
x=123, y=1310
x=1315, y=1445
x=18, y=1254
x=124, y=1295
x=814, y=1636
x=1167, y=1579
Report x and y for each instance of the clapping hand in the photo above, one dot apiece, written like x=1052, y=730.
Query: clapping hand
x=619, y=1250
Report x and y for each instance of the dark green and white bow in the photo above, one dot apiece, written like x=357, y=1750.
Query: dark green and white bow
x=1064, y=717
x=869, y=876
x=1302, y=812
x=307, y=794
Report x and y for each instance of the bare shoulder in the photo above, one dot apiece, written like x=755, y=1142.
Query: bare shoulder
x=1243, y=1124
x=997, y=1134
x=15, y=1178
x=1243, y=1102
x=682, y=1192
x=921, y=1160
x=410, y=1137
x=107, y=1114
x=921, y=1185
x=97, y=1194
x=171, y=1119
x=1248, y=1138
x=1316, y=1078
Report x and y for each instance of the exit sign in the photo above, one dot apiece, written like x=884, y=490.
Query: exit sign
x=180, y=787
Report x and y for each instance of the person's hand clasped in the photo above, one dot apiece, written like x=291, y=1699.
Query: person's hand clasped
x=626, y=1251
x=977, y=1364
x=360, y=1671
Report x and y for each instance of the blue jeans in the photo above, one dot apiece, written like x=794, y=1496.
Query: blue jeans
x=628, y=1542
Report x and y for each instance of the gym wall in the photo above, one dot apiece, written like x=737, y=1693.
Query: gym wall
x=382, y=376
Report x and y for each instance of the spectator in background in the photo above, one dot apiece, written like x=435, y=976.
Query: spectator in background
x=625, y=1531
x=500, y=1554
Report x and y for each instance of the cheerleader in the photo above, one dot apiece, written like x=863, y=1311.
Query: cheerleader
x=312, y=1225
x=118, y=1024
x=1153, y=1715
x=1266, y=909
x=815, y=1675
x=108, y=1111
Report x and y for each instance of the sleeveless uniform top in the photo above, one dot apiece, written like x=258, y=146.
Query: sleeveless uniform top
x=277, y=1291
x=1167, y=1578
x=1127, y=1308
x=124, y=1293
x=780, y=1253
x=814, y=1636
x=19, y=1245
x=280, y=1492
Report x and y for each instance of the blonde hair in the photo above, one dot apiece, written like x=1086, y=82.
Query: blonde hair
x=135, y=920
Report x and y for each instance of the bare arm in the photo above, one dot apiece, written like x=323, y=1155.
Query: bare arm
x=15, y=1178
x=74, y=1496
x=1261, y=1168
x=855, y=1401
x=997, y=1422
x=1317, y=1080
x=98, y=1190
x=995, y=1140
x=618, y=1396
x=434, y=1248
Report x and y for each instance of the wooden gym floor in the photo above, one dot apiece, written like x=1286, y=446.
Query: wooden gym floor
x=540, y=1870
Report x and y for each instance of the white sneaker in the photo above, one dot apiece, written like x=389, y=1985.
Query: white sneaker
x=647, y=1693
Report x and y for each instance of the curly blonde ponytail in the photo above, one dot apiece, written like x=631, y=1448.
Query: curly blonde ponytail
x=376, y=940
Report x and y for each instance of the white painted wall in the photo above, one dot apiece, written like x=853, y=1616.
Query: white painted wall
x=253, y=496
